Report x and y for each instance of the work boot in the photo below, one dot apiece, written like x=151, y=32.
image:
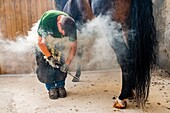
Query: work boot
x=62, y=92
x=53, y=93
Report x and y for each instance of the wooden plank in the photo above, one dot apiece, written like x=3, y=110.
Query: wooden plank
x=39, y=10
x=50, y=4
x=2, y=29
x=19, y=26
x=53, y=5
x=13, y=19
x=44, y=6
x=2, y=18
x=33, y=11
x=8, y=19
x=19, y=15
x=28, y=3
x=24, y=13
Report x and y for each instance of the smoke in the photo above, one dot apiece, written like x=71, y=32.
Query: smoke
x=18, y=56
x=93, y=39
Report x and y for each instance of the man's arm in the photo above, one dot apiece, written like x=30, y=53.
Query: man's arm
x=43, y=47
x=72, y=52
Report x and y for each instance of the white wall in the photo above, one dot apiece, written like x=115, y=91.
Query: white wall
x=162, y=19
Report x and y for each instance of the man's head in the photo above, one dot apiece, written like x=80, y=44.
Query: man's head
x=67, y=25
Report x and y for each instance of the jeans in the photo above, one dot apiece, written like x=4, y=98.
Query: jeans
x=55, y=84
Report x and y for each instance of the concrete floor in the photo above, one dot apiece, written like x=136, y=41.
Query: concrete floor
x=25, y=94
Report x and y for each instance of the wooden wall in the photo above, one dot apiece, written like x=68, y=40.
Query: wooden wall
x=17, y=16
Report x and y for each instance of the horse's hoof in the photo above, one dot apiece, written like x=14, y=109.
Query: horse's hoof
x=75, y=80
x=120, y=104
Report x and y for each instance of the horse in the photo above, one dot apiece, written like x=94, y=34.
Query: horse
x=138, y=42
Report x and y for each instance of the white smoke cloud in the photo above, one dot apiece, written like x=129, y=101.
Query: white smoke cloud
x=95, y=37
x=18, y=56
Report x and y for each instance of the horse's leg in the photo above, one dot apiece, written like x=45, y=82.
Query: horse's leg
x=122, y=50
x=84, y=12
x=78, y=70
x=120, y=46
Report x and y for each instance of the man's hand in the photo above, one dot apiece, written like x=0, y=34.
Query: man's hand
x=64, y=68
x=53, y=62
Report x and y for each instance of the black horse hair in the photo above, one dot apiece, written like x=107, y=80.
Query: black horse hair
x=143, y=44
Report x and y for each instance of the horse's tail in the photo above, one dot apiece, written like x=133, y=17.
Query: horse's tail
x=143, y=47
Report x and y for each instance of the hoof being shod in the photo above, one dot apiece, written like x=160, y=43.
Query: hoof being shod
x=120, y=104
x=75, y=80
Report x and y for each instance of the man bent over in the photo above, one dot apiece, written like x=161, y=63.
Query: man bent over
x=51, y=66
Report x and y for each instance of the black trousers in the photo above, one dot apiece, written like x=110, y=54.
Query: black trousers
x=45, y=72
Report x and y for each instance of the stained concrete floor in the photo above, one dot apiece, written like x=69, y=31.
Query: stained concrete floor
x=93, y=94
